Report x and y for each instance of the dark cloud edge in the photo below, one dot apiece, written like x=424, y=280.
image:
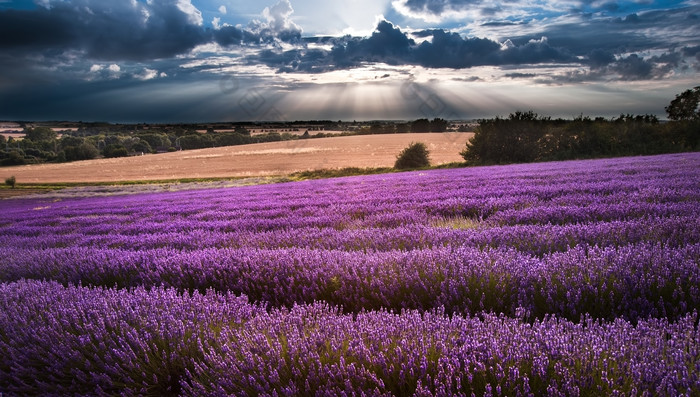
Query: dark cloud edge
x=389, y=45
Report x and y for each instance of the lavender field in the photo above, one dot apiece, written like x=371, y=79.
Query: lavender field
x=568, y=278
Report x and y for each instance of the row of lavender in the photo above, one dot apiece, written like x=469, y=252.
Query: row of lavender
x=552, y=246
x=631, y=282
x=673, y=231
x=92, y=341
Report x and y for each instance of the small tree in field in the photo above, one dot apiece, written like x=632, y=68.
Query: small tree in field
x=414, y=155
x=11, y=181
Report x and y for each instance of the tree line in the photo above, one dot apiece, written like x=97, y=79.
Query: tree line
x=42, y=144
x=526, y=136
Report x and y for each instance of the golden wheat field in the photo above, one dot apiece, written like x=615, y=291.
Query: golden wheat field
x=264, y=159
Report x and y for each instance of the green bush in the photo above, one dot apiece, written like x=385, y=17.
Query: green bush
x=196, y=141
x=11, y=181
x=416, y=155
x=154, y=141
x=84, y=151
x=142, y=147
x=115, y=150
x=15, y=157
x=40, y=134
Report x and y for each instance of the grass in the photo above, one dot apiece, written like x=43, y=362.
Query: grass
x=355, y=171
x=60, y=185
x=457, y=223
x=29, y=188
x=336, y=173
x=25, y=189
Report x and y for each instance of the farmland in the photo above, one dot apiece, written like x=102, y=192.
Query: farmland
x=264, y=159
x=561, y=278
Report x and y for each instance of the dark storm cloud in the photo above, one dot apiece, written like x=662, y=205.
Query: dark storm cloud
x=124, y=30
x=388, y=44
x=437, y=7
x=633, y=67
x=138, y=31
x=520, y=75
x=599, y=58
x=693, y=51
x=603, y=36
x=453, y=51
x=614, y=45
x=431, y=9
x=230, y=35
x=36, y=29
x=533, y=52
x=625, y=68
x=605, y=45
x=651, y=30
x=103, y=30
x=425, y=33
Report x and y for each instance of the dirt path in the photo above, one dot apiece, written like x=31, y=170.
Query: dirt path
x=275, y=158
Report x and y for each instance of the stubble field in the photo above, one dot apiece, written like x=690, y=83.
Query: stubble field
x=275, y=158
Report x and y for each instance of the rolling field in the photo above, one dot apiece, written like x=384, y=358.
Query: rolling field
x=275, y=158
x=562, y=278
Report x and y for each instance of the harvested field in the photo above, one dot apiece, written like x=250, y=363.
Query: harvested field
x=14, y=135
x=274, y=158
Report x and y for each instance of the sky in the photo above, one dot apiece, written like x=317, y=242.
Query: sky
x=132, y=61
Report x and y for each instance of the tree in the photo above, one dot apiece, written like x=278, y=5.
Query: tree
x=115, y=150
x=11, y=181
x=376, y=128
x=68, y=141
x=196, y=141
x=39, y=134
x=421, y=125
x=242, y=131
x=154, y=141
x=512, y=140
x=685, y=105
x=438, y=125
x=84, y=151
x=141, y=147
x=413, y=156
x=15, y=157
x=230, y=139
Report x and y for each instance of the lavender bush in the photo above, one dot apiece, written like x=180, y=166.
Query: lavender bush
x=562, y=278
x=81, y=340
